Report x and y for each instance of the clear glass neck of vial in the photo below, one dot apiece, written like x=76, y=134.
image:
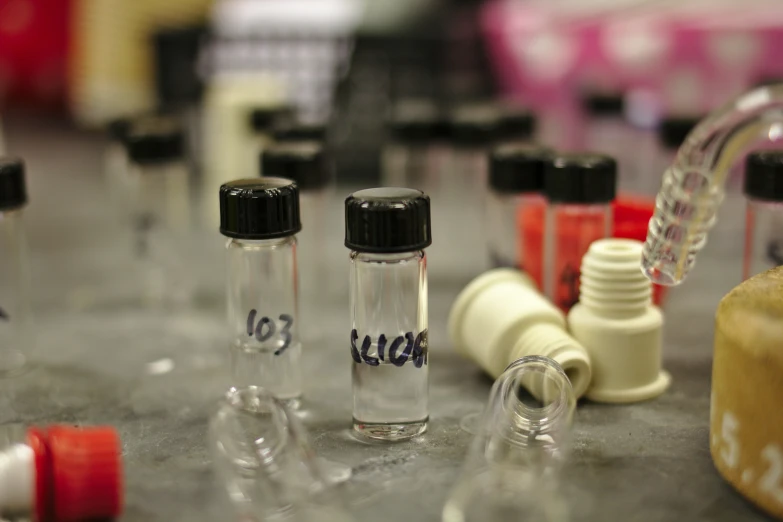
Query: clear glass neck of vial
x=16, y=328
x=694, y=185
x=522, y=441
x=263, y=456
x=506, y=214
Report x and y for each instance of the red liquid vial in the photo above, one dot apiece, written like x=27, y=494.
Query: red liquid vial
x=580, y=188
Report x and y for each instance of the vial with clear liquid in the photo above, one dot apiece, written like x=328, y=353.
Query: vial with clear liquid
x=260, y=218
x=516, y=181
x=764, y=218
x=160, y=209
x=262, y=123
x=16, y=328
x=580, y=188
x=387, y=230
x=411, y=157
x=516, y=125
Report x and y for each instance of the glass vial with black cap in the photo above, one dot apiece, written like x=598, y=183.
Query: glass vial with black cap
x=263, y=121
x=115, y=164
x=516, y=183
x=580, y=188
x=306, y=163
x=16, y=328
x=517, y=124
x=606, y=129
x=410, y=155
x=387, y=230
x=260, y=218
x=160, y=209
x=764, y=219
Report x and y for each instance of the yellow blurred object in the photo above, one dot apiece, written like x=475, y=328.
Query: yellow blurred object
x=746, y=429
x=111, y=71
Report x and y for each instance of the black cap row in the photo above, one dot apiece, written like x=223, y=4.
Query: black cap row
x=563, y=178
x=382, y=220
x=469, y=125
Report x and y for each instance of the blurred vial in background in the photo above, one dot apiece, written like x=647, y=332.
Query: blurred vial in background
x=411, y=155
x=263, y=457
x=159, y=189
x=516, y=124
x=580, y=189
x=672, y=132
x=516, y=181
x=16, y=324
x=387, y=230
x=293, y=130
x=179, y=87
x=606, y=129
x=512, y=468
x=643, y=115
x=262, y=123
x=306, y=163
x=764, y=221
x=115, y=165
x=261, y=219
x=474, y=130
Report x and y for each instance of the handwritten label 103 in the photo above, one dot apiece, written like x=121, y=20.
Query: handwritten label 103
x=266, y=328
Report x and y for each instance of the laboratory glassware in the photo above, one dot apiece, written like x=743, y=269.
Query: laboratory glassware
x=260, y=217
x=410, y=156
x=516, y=124
x=300, y=131
x=764, y=217
x=16, y=322
x=262, y=123
x=523, y=439
x=694, y=184
x=159, y=188
x=580, y=188
x=387, y=230
x=516, y=181
x=115, y=164
x=263, y=456
x=672, y=132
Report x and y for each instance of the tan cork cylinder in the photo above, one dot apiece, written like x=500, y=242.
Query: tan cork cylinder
x=746, y=417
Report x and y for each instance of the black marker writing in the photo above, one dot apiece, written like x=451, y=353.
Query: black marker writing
x=265, y=328
x=403, y=348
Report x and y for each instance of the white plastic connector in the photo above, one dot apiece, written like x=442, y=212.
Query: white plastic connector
x=500, y=317
x=17, y=479
x=617, y=323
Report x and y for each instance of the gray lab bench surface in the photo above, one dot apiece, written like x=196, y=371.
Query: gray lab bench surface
x=643, y=462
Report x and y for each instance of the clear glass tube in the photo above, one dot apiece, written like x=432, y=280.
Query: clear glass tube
x=263, y=316
x=389, y=344
x=411, y=165
x=694, y=185
x=263, y=456
x=569, y=231
x=160, y=220
x=16, y=328
x=523, y=439
x=504, y=235
x=763, y=236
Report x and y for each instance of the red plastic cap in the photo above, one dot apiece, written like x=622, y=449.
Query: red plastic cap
x=86, y=473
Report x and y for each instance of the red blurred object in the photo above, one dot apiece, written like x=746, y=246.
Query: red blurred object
x=631, y=218
x=78, y=473
x=34, y=51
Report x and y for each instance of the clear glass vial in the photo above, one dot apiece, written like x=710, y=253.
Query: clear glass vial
x=262, y=122
x=410, y=157
x=764, y=218
x=159, y=187
x=606, y=129
x=264, y=458
x=16, y=325
x=523, y=439
x=261, y=219
x=516, y=181
x=387, y=230
x=115, y=164
x=580, y=188
x=292, y=130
